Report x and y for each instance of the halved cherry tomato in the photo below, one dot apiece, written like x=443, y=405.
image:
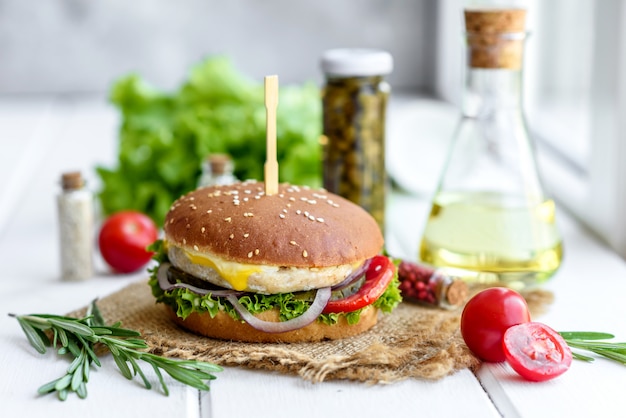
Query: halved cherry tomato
x=536, y=351
x=377, y=278
x=487, y=316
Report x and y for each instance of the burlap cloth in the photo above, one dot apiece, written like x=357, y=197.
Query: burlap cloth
x=411, y=342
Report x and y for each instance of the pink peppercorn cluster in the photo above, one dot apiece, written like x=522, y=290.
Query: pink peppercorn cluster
x=416, y=283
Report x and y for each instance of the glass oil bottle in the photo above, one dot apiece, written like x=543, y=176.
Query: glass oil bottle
x=490, y=214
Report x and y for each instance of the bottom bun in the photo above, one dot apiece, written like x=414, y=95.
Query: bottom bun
x=223, y=327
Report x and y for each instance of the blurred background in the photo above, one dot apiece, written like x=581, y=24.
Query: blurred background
x=574, y=79
x=81, y=46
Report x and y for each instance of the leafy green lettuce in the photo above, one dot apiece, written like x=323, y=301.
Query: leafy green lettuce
x=290, y=305
x=164, y=137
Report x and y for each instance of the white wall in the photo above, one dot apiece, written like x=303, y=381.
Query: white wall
x=78, y=46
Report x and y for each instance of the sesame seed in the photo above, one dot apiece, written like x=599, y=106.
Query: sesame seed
x=250, y=254
x=320, y=220
x=231, y=236
x=282, y=216
x=246, y=235
x=195, y=247
x=284, y=210
x=209, y=211
x=188, y=226
x=304, y=199
x=298, y=211
x=245, y=199
x=257, y=197
x=202, y=229
x=256, y=252
x=293, y=243
x=306, y=213
x=281, y=195
x=247, y=191
x=311, y=217
x=192, y=198
x=236, y=202
x=248, y=214
x=293, y=199
x=228, y=219
x=335, y=205
x=305, y=254
x=311, y=201
x=172, y=220
x=193, y=207
x=184, y=241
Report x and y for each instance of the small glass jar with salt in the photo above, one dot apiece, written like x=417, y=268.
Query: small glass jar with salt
x=76, y=228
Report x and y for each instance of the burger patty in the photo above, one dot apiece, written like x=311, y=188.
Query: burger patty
x=258, y=278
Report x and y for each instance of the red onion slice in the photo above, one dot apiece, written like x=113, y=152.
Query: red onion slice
x=354, y=276
x=319, y=303
x=166, y=285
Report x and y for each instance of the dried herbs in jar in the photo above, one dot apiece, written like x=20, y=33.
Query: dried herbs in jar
x=354, y=105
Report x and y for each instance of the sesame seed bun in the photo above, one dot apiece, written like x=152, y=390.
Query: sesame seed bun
x=322, y=235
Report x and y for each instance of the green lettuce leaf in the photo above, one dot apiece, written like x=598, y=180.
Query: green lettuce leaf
x=164, y=137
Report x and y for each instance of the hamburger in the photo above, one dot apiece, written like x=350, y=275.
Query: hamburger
x=299, y=265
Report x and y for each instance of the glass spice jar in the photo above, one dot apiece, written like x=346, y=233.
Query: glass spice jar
x=430, y=286
x=76, y=228
x=217, y=170
x=354, y=105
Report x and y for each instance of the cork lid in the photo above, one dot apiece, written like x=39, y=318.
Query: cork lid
x=72, y=180
x=495, y=37
x=219, y=163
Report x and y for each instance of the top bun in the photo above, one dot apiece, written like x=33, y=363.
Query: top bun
x=297, y=227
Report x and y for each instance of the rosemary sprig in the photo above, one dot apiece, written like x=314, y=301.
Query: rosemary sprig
x=591, y=341
x=78, y=338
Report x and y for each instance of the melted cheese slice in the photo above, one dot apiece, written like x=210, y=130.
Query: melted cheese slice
x=234, y=273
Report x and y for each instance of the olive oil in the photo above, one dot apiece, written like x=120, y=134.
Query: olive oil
x=504, y=238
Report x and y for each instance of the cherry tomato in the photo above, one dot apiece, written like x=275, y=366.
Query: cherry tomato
x=123, y=239
x=536, y=351
x=487, y=316
x=377, y=278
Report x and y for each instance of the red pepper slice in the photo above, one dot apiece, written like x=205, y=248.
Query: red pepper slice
x=377, y=278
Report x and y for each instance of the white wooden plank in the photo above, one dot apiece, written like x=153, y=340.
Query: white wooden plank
x=84, y=136
x=27, y=129
x=270, y=394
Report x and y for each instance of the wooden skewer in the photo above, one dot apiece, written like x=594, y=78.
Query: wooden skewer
x=271, y=164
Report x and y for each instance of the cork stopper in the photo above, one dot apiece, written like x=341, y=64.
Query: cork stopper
x=220, y=163
x=495, y=37
x=457, y=293
x=72, y=180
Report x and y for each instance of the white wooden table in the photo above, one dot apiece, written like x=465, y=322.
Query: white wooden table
x=39, y=139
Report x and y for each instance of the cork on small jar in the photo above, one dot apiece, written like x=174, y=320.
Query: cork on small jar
x=72, y=180
x=495, y=37
x=219, y=163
